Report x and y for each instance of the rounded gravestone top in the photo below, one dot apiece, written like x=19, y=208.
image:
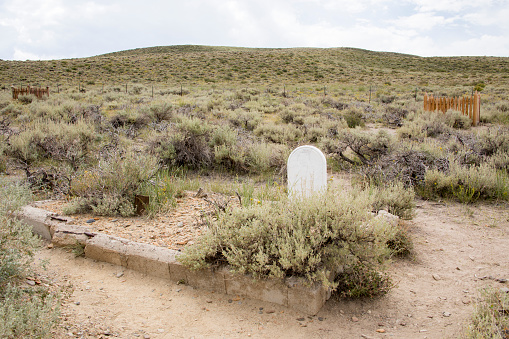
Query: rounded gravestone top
x=307, y=171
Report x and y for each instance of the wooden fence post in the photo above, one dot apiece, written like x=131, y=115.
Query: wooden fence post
x=475, y=117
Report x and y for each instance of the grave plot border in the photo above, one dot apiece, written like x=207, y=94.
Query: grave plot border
x=163, y=262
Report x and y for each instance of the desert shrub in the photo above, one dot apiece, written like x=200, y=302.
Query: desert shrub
x=428, y=125
x=314, y=238
x=363, y=280
x=457, y=120
x=24, y=150
x=394, y=115
x=500, y=161
x=66, y=147
x=159, y=112
x=395, y=198
x=404, y=164
x=279, y=134
x=191, y=144
x=109, y=187
x=466, y=184
x=247, y=120
x=493, y=140
x=491, y=316
x=69, y=143
x=387, y=99
x=367, y=147
x=354, y=117
x=26, y=99
x=166, y=186
x=263, y=157
x=24, y=312
x=230, y=157
x=126, y=119
x=401, y=243
x=12, y=110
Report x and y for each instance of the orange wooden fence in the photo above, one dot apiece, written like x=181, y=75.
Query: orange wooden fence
x=37, y=91
x=467, y=105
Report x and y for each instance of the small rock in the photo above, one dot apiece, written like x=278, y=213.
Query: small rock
x=260, y=312
x=209, y=301
x=114, y=220
x=505, y=290
x=31, y=282
x=502, y=281
x=320, y=319
x=120, y=274
x=180, y=224
x=77, y=303
x=270, y=311
x=89, y=221
x=436, y=277
x=301, y=319
x=146, y=336
x=160, y=330
x=50, y=246
x=380, y=330
x=446, y=314
x=230, y=301
x=355, y=319
x=466, y=301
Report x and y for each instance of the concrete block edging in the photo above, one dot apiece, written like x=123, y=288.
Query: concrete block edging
x=163, y=262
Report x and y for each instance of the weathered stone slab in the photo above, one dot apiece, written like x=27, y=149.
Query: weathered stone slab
x=108, y=249
x=36, y=218
x=68, y=235
x=307, y=172
x=149, y=259
x=207, y=279
x=308, y=299
x=266, y=290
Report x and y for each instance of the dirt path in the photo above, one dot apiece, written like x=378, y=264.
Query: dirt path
x=458, y=250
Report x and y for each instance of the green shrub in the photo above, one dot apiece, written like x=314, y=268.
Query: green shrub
x=24, y=312
x=159, y=112
x=314, y=238
x=466, y=184
x=457, y=120
x=26, y=99
x=354, y=118
x=279, y=134
x=363, y=280
x=247, y=120
x=395, y=198
x=109, y=188
x=491, y=316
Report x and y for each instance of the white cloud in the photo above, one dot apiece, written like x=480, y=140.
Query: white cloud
x=42, y=29
x=423, y=21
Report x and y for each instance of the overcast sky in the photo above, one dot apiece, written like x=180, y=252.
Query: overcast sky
x=57, y=29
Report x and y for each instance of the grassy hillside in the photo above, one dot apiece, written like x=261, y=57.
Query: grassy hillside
x=198, y=65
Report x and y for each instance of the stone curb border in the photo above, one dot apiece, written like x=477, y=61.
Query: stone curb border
x=163, y=262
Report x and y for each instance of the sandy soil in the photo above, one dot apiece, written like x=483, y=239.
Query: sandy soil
x=458, y=250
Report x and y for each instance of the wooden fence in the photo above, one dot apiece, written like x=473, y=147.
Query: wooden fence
x=467, y=105
x=37, y=91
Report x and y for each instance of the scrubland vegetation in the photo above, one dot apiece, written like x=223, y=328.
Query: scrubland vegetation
x=167, y=119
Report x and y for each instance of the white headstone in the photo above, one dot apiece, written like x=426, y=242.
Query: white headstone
x=307, y=171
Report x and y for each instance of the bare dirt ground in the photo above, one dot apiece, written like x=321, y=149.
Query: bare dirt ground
x=458, y=250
